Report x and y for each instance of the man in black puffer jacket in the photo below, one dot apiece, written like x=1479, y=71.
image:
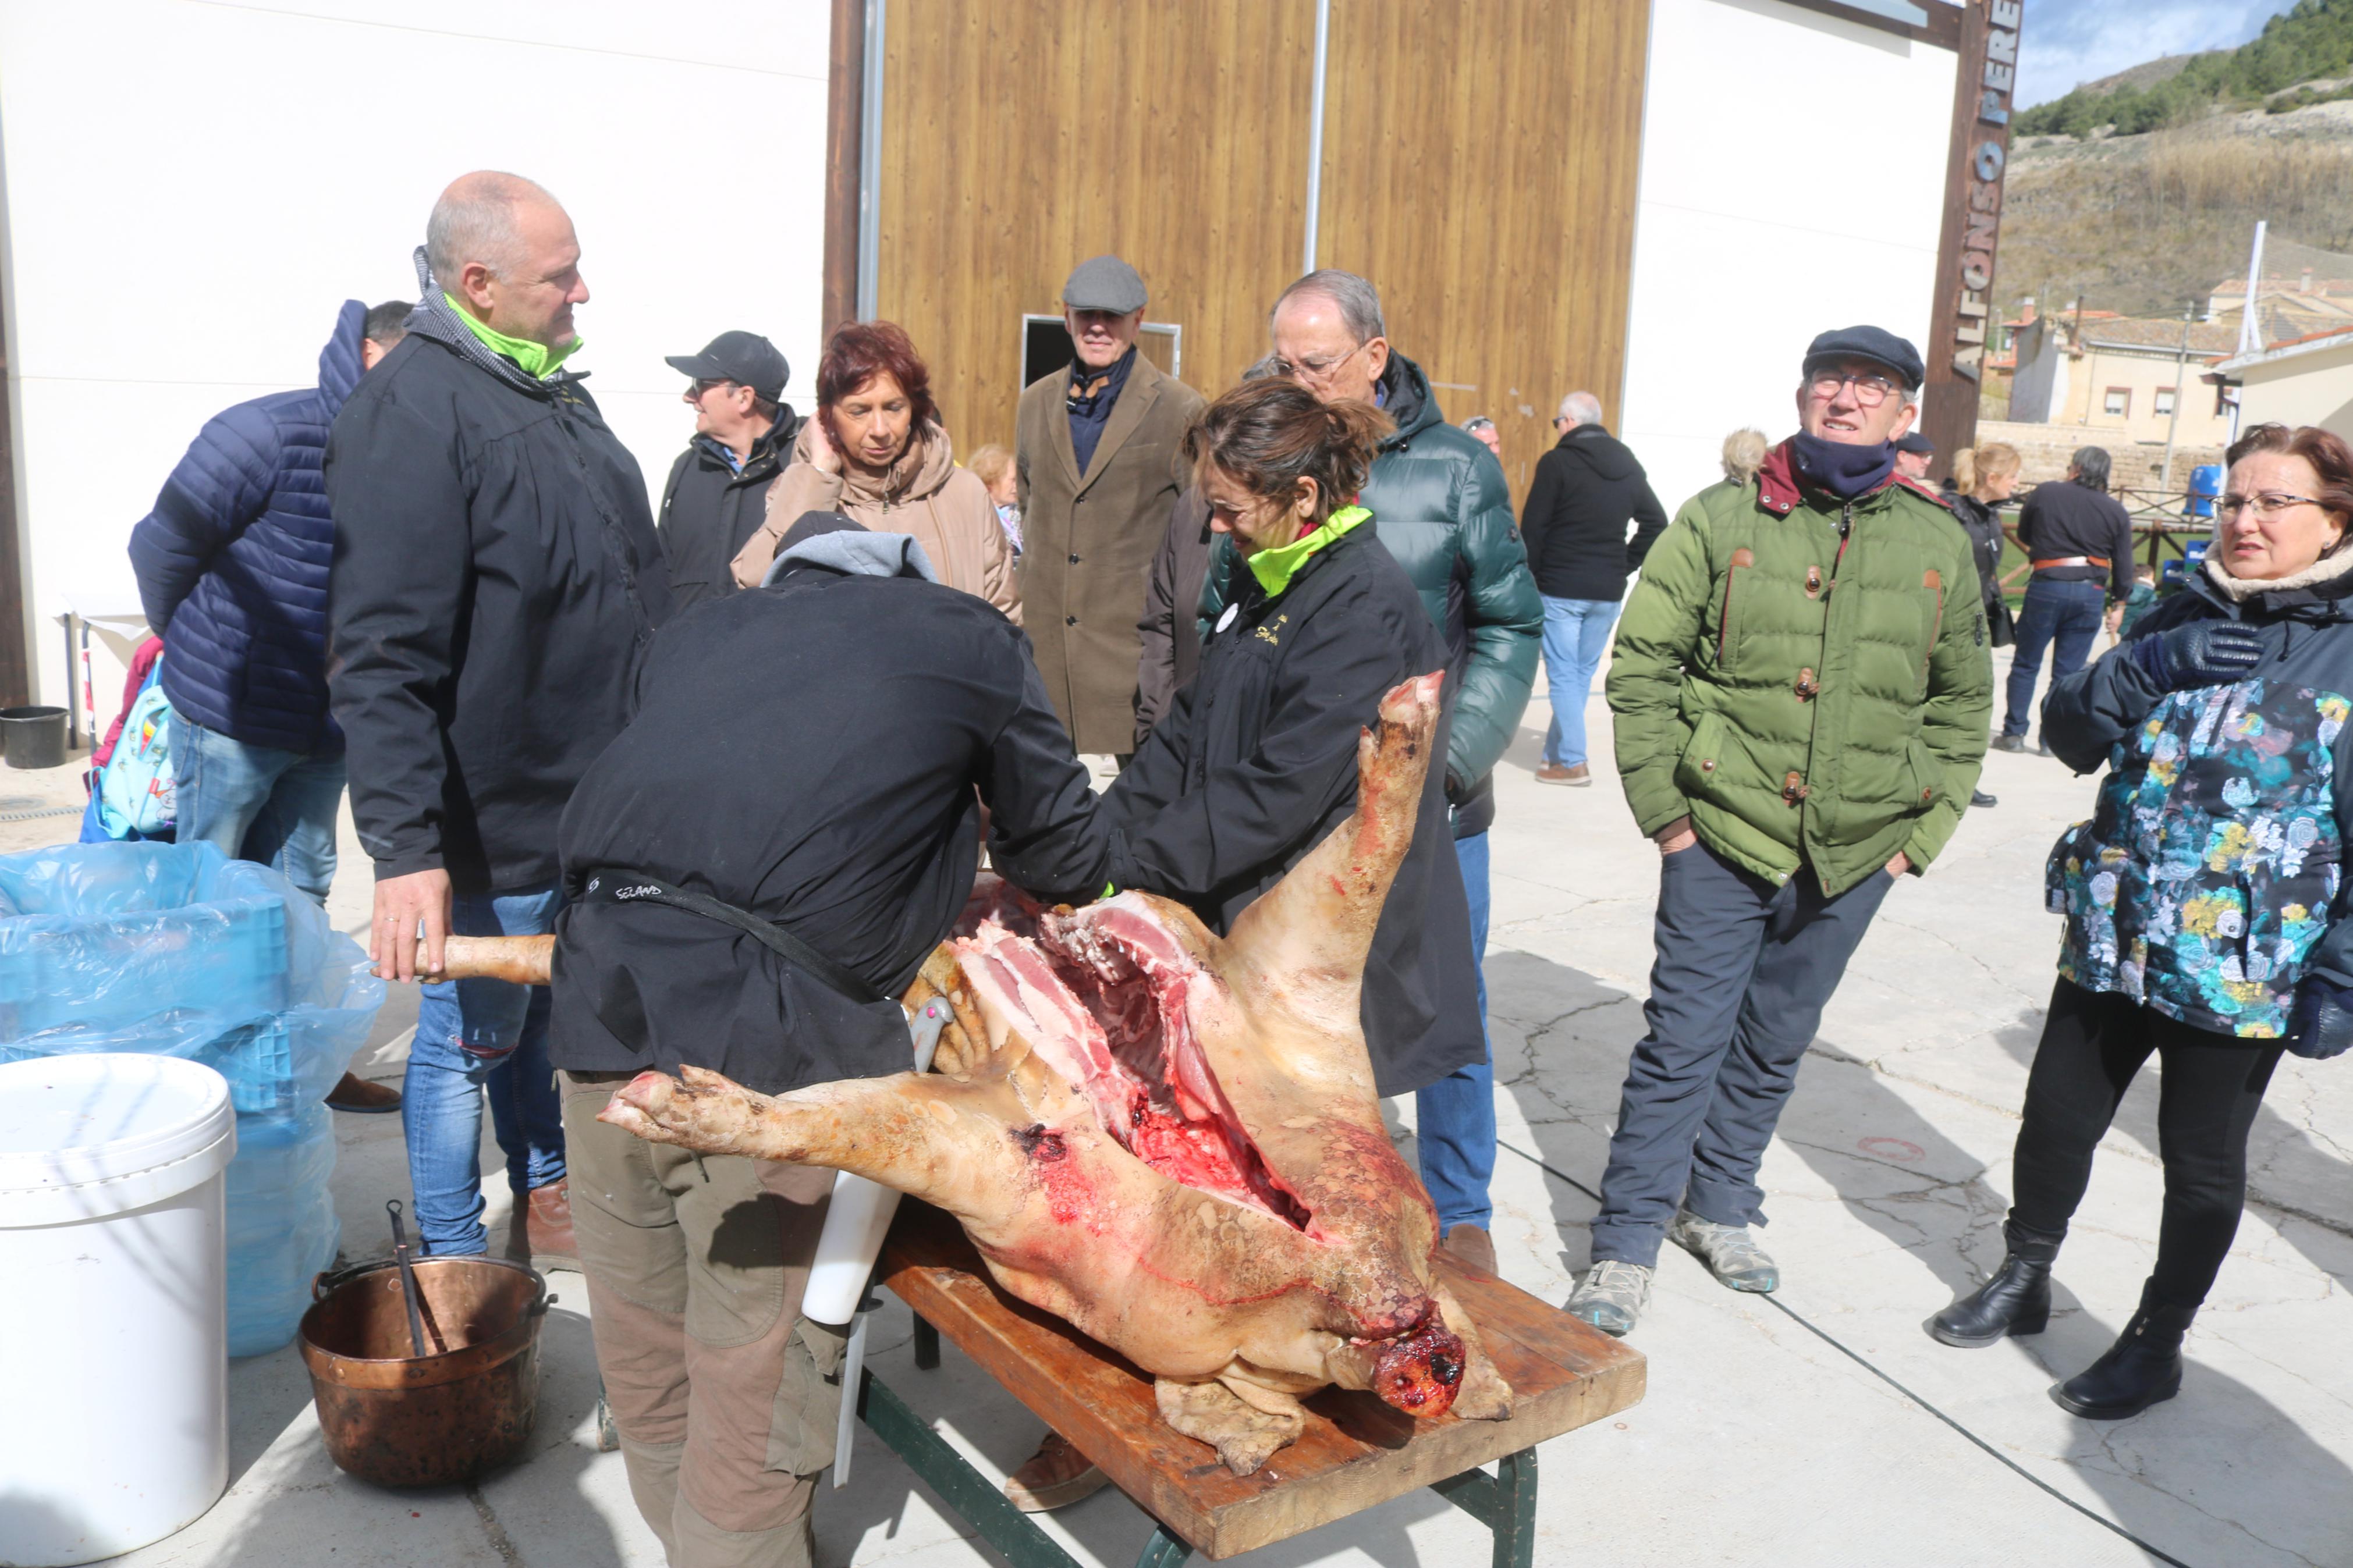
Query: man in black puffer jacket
x=1586, y=490
x=1437, y=497
x=496, y=583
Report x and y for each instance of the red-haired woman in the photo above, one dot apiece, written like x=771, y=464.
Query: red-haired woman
x=877, y=452
x=2202, y=900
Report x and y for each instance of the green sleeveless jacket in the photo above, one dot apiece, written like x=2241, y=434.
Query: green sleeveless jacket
x=1807, y=680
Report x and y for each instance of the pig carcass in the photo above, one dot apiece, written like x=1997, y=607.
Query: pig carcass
x=1169, y=1138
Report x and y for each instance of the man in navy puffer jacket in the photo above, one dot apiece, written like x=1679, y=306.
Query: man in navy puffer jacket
x=232, y=568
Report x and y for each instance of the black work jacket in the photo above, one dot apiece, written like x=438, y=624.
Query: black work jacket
x=496, y=581
x=2064, y=519
x=815, y=752
x=1256, y=762
x=710, y=508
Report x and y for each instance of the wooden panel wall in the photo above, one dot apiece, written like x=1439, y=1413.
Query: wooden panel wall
x=1480, y=167
x=1022, y=136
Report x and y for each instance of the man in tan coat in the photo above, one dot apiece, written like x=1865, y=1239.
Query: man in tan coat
x=1097, y=450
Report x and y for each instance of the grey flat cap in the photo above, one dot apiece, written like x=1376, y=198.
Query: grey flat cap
x=1103, y=283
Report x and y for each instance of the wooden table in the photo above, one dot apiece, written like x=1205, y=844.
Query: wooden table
x=1356, y=1452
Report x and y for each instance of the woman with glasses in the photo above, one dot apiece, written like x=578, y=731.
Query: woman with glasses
x=2201, y=900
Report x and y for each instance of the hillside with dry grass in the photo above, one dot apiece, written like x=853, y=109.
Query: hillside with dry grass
x=2142, y=224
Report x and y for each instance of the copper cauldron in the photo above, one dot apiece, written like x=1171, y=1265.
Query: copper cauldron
x=465, y=1407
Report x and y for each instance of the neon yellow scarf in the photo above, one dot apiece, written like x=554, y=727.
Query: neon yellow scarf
x=1274, y=568
x=537, y=359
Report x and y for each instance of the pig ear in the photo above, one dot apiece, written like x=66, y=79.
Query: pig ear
x=1312, y=932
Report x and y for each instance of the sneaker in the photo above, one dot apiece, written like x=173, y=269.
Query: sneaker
x=1730, y=1252
x=1557, y=773
x=2010, y=742
x=1612, y=1296
x=1056, y=1476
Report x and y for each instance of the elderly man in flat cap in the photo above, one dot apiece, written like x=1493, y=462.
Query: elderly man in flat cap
x=1801, y=688
x=1098, y=461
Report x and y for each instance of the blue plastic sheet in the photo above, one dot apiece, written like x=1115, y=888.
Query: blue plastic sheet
x=172, y=949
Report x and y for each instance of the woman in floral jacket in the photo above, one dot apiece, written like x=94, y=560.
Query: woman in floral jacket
x=2204, y=924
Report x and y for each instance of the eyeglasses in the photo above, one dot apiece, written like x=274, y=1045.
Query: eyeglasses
x=694, y=393
x=1869, y=390
x=2265, y=504
x=1318, y=371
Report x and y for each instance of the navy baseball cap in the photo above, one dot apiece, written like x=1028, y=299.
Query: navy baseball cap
x=745, y=358
x=1877, y=344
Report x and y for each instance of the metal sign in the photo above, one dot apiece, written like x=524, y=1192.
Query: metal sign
x=1967, y=321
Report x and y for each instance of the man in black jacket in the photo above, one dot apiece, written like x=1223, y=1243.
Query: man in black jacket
x=1587, y=489
x=870, y=713
x=496, y=581
x=2077, y=536
x=718, y=489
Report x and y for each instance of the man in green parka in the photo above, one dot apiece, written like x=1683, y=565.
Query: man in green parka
x=1801, y=689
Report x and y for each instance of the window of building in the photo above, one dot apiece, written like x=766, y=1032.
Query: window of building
x=2165, y=400
x=2119, y=403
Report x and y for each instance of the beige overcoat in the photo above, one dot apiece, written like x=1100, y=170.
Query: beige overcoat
x=947, y=509
x=1088, y=541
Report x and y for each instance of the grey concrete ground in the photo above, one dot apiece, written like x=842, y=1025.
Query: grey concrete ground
x=1819, y=1426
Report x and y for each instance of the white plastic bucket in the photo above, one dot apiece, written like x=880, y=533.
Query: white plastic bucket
x=113, y=1330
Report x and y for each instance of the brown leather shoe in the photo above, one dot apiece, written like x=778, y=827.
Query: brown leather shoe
x=1056, y=1476
x=547, y=1221
x=1555, y=774
x=361, y=1098
x=1472, y=1245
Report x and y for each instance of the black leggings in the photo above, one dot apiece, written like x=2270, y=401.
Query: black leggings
x=2093, y=1044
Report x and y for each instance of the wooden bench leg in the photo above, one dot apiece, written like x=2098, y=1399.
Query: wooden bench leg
x=1166, y=1549
x=927, y=1346
x=1505, y=1502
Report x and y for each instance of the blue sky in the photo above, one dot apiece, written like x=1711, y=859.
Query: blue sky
x=2068, y=41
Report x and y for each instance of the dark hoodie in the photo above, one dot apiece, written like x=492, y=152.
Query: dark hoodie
x=817, y=750
x=232, y=563
x=2207, y=882
x=1587, y=488
x=711, y=506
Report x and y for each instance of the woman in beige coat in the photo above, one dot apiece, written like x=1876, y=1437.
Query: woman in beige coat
x=876, y=451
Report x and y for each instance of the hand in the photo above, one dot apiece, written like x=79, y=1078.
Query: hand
x=402, y=903
x=2203, y=653
x=822, y=456
x=1676, y=837
x=1901, y=864
x=2323, y=1026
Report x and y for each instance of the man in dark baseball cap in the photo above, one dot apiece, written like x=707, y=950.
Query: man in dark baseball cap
x=718, y=489
x=1914, y=453
x=1801, y=693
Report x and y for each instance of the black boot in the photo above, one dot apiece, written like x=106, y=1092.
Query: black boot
x=2143, y=1367
x=2016, y=1301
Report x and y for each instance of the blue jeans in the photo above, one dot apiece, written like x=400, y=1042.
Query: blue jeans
x=1576, y=635
x=258, y=803
x=473, y=1036
x=2065, y=614
x=1455, y=1117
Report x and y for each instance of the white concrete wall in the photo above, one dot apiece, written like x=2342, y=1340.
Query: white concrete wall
x=1793, y=167
x=2311, y=388
x=193, y=189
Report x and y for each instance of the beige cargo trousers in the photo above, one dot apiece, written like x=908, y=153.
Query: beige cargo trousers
x=725, y=1397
